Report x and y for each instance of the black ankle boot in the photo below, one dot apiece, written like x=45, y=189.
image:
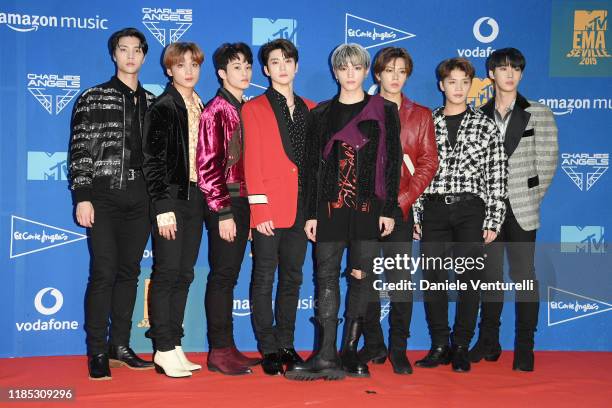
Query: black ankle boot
x=460, y=360
x=399, y=361
x=437, y=355
x=523, y=359
x=98, y=367
x=373, y=354
x=124, y=356
x=350, y=361
x=487, y=348
x=324, y=363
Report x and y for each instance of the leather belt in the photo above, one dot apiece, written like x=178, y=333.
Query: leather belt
x=449, y=199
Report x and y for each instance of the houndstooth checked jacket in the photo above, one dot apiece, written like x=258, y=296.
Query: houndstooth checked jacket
x=532, y=148
x=477, y=164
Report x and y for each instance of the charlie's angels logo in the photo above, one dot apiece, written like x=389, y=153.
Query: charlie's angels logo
x=480, y=92
x=589, y=36
x=584, y=169
x=54, y=91
x=167, y=25
x=371, y=34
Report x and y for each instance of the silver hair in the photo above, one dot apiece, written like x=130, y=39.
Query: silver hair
x=353, y=53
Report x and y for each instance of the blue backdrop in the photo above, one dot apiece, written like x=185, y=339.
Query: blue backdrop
x=51, y=51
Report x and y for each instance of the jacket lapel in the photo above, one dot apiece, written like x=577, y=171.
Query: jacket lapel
x=516, y=126
x=282, y=126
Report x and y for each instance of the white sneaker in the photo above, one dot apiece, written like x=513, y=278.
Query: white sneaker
x=186, y=363
x=169, y=363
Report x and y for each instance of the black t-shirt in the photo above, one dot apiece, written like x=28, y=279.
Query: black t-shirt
x=452, y=124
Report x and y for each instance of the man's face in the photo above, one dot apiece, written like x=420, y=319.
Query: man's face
x=506, y=77
x=351, y=77
x=186, y=72
x=393, y=77
x=280, y=69
x=456, y=87
x=237, y=74
x=128, y=55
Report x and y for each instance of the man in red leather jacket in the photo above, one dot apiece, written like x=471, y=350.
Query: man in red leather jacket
x=392, y=68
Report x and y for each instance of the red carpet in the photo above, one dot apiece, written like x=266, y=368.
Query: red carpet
x=561, y=379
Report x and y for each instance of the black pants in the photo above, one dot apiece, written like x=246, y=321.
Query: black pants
x=173, y=271
x=117, y=241
x=225, y=259
x=519, y=245
x=286, y=250
x=399, y=242
x=452, y=231
x=329, y=261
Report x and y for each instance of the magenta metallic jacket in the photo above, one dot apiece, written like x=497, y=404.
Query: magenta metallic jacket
x=219, y=160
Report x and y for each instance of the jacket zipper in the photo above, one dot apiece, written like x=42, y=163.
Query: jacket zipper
x=122, y=145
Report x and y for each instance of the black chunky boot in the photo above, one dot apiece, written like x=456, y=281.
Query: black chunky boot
x=324, y=363
x=352, y=366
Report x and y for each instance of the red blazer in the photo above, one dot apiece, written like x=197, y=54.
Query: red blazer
x=420, y=152
x=271, y=177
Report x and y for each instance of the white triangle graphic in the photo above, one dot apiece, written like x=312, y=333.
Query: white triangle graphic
x=79, y=237
x=346, y=20
x=551, y=288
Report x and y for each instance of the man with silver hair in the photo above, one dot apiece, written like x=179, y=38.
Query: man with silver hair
x=353, y=157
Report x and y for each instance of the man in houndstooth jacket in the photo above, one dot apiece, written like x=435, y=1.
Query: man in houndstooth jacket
x=530, y=140
x=461, y=209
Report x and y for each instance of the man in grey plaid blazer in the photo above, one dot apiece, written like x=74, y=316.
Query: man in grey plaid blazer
x=530, y=139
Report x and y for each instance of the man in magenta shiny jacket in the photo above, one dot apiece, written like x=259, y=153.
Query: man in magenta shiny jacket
x=221, y=178
x=392, y=68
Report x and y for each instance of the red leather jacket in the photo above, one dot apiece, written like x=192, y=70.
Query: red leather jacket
x=420, y=153
x=219, y=160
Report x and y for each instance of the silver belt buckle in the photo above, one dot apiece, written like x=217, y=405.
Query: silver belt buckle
x=131, y=174
x=448, y=199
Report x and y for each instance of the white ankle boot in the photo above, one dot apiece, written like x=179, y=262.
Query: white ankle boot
x=186, y=363
x=169, y=363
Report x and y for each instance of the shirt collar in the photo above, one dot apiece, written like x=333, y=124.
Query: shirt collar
x=126, y=90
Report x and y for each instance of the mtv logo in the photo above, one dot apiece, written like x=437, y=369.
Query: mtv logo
x=155, y=89
x=587, y=20
x=47, y=166
x=268, y=29
x=480, y=92
x=371, y=34
x=28, y=237
x=565, y=306
x=588, y=239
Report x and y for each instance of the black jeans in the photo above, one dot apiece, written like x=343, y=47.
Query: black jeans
x=519, y=245
x=452, y=231
x=329, y=259
x=399, y=242
x=173, y=271
x=117, y=241
x=286, y=250
x=225, y=259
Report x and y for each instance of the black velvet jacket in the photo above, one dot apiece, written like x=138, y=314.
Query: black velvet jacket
x=166, y=150
x=322, y=175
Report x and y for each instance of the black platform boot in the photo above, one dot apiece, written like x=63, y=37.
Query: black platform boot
x=324, y=363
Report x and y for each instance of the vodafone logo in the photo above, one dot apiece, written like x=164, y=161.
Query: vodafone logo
x=57, y=305
x=485, y=39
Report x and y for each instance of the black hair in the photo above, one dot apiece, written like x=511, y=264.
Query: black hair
x=113, y=41
x=228, y=52
x=289, y=50
x=504, y=57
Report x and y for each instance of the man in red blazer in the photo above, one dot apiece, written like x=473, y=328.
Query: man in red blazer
x=275, y=135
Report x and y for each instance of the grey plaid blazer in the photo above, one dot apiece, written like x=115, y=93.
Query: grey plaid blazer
x=532, y=148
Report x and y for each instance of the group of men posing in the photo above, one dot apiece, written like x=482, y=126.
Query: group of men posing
x=358, y=172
